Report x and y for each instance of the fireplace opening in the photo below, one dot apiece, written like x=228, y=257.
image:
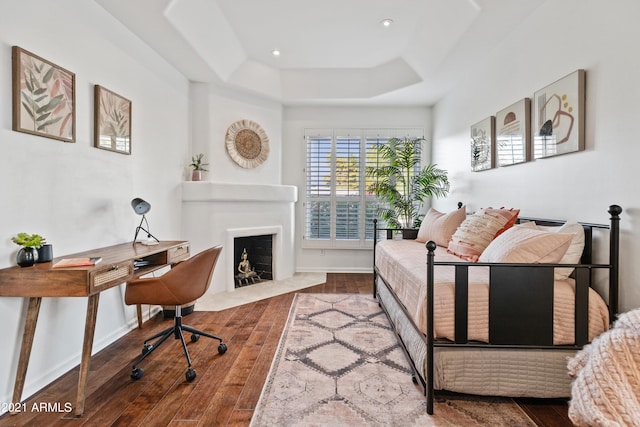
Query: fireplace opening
x=252, y=259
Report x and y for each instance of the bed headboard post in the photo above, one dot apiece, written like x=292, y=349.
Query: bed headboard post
x=375, y=242
x=614, y=260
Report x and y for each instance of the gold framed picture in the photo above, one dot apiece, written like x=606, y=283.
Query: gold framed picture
x=112, y=123
x=513, y=133
x=558, y=117
x=483, y=144
x=44, y=97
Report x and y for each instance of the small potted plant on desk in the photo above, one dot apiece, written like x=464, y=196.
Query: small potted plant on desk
x=198, y=167
x=28, y=253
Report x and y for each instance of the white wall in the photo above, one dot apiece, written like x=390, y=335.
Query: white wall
x=295, y=121
x=75, y=195
x=558, y=38
x=214, y=109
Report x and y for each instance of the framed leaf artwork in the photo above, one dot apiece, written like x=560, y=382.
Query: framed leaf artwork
x=112, y=123
x=483, y=144
x=44, y=97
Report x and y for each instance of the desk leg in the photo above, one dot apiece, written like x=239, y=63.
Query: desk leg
x=25, y=349
x=89, y=330
x=139, y=312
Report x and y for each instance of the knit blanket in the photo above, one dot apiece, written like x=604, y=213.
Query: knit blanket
x=606, y=377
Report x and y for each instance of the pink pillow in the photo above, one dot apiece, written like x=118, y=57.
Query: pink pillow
x=478, y=230
x=527, y=245
x=439, y=227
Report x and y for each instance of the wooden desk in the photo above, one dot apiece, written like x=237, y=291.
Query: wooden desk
x=116, y=267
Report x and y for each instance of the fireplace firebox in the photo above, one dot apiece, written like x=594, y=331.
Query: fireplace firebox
x=253, y=259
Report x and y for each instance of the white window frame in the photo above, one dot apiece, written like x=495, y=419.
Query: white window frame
x=364, y=134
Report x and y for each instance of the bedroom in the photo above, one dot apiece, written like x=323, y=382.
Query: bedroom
x=78, y=196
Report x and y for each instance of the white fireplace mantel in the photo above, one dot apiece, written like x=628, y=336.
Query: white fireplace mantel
x=207, y=191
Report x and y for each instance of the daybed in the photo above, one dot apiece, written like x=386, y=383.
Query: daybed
x=496, y=304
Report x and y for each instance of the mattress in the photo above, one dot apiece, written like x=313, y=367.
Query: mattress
x=403, y=265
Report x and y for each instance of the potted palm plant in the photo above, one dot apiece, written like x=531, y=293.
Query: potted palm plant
x=28, y=253
x=198, y=166
x=401, y=186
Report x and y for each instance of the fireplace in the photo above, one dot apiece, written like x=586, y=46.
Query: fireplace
x=217, y=213
x=252, y=259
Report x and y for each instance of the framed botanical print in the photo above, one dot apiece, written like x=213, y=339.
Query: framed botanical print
x=483, y=144
x=558, y=117
x=513, y=133
x=112, y=123
x=44, y=97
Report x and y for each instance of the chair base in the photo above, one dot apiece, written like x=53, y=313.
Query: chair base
x=169, y=312
x=176, y=331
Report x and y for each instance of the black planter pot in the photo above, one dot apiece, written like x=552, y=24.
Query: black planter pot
x=45, y=253
x=27, y=257
x=410, y=233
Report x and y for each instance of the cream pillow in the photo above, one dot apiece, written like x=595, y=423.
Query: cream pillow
x=439, y=227
x=527, y=245
x=574, y=253
x=478, y=230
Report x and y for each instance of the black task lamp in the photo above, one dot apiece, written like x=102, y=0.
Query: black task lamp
x=141, y=208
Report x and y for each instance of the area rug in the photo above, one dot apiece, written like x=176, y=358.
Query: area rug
x=259, y=291
x=339, y=364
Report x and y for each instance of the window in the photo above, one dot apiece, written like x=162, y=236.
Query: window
x=339, y=212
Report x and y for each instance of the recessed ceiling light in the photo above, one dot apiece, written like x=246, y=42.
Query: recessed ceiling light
x=275, y=52
x=386, y=22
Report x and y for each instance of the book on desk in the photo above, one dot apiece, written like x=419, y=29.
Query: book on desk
x=76, y=262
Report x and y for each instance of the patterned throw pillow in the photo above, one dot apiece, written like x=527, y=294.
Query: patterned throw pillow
x=439, y=227
x=478, y=230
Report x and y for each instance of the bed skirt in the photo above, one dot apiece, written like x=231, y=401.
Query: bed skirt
x=491, y=372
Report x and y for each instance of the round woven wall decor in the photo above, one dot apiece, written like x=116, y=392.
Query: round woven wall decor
x=247, y=143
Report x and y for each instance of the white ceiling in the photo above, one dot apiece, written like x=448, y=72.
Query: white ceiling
x=332, y=51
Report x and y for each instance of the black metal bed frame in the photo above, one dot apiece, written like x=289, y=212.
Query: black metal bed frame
x=520, y=301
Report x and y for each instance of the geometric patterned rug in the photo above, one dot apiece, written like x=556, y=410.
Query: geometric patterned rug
x=338, y=363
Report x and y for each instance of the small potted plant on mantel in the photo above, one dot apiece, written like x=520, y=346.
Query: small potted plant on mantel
x=198, y=167
x=28, y=254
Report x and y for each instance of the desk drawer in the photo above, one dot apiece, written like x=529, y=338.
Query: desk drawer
x=111, y=275
x=178, y=253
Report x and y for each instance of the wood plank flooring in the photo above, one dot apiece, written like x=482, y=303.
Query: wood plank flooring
x=227, y=387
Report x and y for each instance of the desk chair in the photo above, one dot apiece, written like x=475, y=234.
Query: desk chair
x=186, y=281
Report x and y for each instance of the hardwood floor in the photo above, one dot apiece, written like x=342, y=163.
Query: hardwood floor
x=227, y=387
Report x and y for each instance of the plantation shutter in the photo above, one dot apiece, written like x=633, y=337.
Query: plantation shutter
x=318, y=201
x=339, y=211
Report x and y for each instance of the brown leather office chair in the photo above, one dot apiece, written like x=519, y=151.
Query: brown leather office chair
x=187, y=281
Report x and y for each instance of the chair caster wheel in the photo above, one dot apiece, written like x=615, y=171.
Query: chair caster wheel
x=414, y=379
x=195, y=337
x=222, y=348
x=137, y=373
x=190, y=375
x=146, y=348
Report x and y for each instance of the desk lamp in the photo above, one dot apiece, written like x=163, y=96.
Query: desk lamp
x=141, y=208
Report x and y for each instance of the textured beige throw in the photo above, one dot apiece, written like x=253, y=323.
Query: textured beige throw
x=606, y=386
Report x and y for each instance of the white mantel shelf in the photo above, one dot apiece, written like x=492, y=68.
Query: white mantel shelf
x=207, y=191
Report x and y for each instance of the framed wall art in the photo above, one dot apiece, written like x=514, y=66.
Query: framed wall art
x=112, y=123
x=558, y=117
x=483, y=144
x=44, y=97
x=513, y=133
